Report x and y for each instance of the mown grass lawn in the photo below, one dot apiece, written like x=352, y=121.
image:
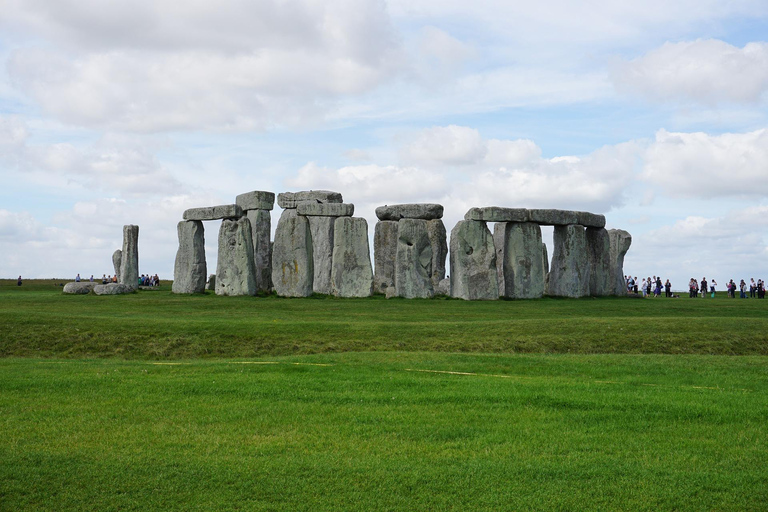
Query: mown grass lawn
x=159, y=402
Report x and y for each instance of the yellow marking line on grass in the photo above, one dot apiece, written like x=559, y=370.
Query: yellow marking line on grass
x=468, y=373
x=169, y=364
x=278, y=362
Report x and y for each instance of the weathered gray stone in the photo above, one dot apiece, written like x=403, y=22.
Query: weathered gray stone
x=425, y=211
x=599, y=247
x=619, y=241
x=545, y=255
x=256, y=200
x=190, y=268
x=384, y=255
x=569, y=275
x=443, y=287
x=519, y=260
x=473, y=262
x=261, y=227
x=590, y=220
x=211, y=284
x=439, y=241
x=224, y=211
x=235, y=271
x=352, y=275
x=497, y=214
x=117, y=258
x=112, y=289
x=326, y=209
x=292, y=258
x=129, y=263
x=553, y=217
x=413, y=264
x=78, y=288
x=293, y=199
x=322, y=252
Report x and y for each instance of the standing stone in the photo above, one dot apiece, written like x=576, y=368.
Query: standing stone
x=569, y=275
x=117, y=258
x=235, y=272
x=322, y=252
x=439, y=242
x=352, y=275
x=545, y=256
x=129, y=263
x=211, y=285
x=261, y=226
x=519, y=260
x=413, y=263
x=384, y=255
x=473, y=262
x=190, y=268
x=599, y=246
x=619, y=241
x=292, y=259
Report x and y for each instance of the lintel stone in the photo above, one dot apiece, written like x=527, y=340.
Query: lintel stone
x=224, y=211
x=256, y=200
x=325, y=209
x=591, y=220
x=553, y=217
x=497, y=214
x=425, y=211
x=293, y=199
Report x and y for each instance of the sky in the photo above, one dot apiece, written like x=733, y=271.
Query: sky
x=653, y=113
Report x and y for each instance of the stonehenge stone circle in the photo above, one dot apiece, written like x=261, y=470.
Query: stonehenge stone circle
x=326, y=209
x=117, y=258
x=261, y=227
x=190, y=270
x=288, y=200
x=425, y=211
x=129, y=262
x=599, y=246
x=569, y=274
x=438, y=241
x=473, y=262
x=256, y=200
x=292, y=257
x=413, y=261
x=497, y=214
x=352, y=275
x=619, y=241
x=321, y=229
x=519, y=260
x=78, y=288
x=235, y=270
x=224, y=211
x=384, y=254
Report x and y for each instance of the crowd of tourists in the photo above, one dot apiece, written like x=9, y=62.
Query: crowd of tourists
x=653, y=287
x=148, y=280
x=144, y=280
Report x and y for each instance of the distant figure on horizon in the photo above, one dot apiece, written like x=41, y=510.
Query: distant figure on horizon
x=18, y=283
x=703, y=287
x=752, y=288
x=668, y=288
x=91, y=278
x=712, y=287
x=77, y=279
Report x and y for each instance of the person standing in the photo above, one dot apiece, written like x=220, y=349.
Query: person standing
x=703, y=287
x=643, y=286
x=752, y=288
x=18, y=283
x=77, y=278
x=668, y=289
x=712, y=286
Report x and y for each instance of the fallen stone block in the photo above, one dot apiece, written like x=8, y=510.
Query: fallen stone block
x=235, y=270
x=384, y=255
x=224, y=211
x=569, y=275
x=112, y=289
x=352, y=275
x=256, y=200
x=553, y=217
x=424, y=211
x=497, y=214
x=473, y=262
x=293, y=199
x=190, y=269
x=413, y=263
x=78, y=288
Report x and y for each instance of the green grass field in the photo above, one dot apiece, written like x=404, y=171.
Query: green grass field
x=158, y=402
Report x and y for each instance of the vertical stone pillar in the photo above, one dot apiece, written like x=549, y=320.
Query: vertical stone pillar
x=384, y=255
x=189, y=270
x=261, y=226
x=129, y=263
x=117, y=259
x=619, y=241
x=352, y=275
x=292, y=259
x=569, y=275
x=473, y=262
x=599, y=246
x=413, y=264
x=438, y=241
x=321, y=229
x=519, y=260
x=235, y=272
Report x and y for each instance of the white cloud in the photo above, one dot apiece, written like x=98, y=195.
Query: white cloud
x=709, y=166
x=705, y=71
x=450, y=145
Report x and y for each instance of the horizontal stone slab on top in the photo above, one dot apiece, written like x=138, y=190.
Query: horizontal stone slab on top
x=425, y=211
x=591, y=220
x=256, y=200
x=224, y=211
x=293, y=199
x=325, y=209
x=497, y=214
x=553, y=217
